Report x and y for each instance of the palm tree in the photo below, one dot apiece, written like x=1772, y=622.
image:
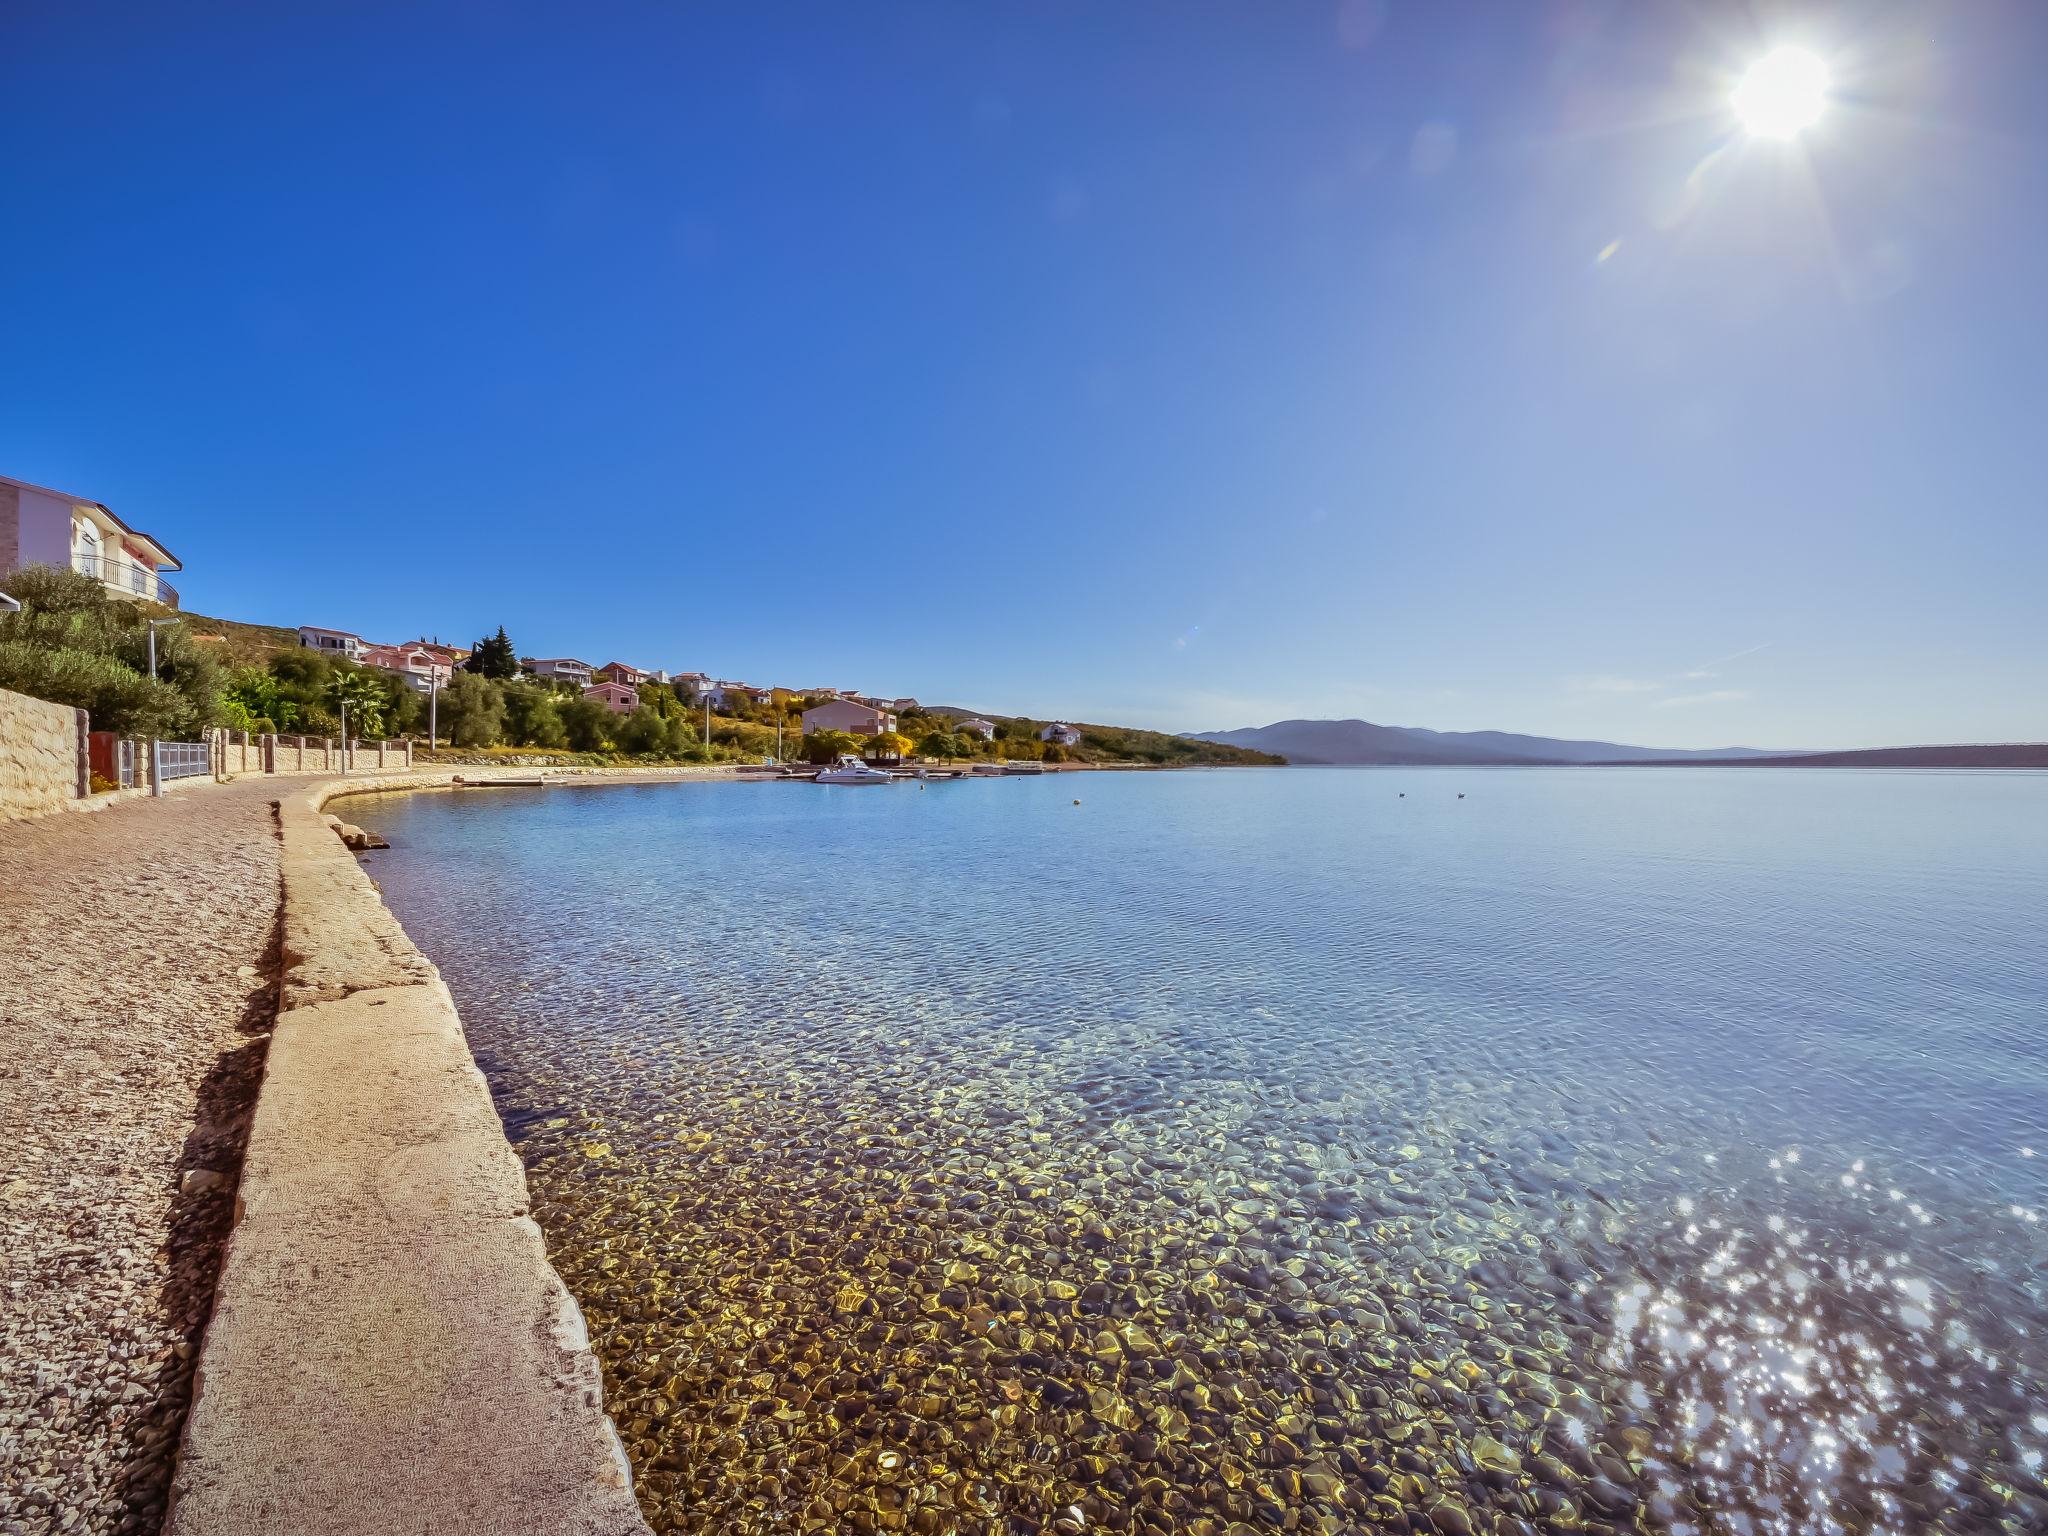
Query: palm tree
x=357, y=694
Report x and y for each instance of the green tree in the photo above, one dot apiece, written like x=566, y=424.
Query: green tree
x=825, y=746
x=533, y=715
x=358, y=701
x=939, y=744
x=262, y=698
x=647, y=732
x=587, y=723
x=473, y=710
x=494, y=657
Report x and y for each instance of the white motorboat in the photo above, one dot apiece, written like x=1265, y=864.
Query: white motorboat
x=851, y=770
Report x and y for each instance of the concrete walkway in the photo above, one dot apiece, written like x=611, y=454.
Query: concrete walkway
x=137, y=976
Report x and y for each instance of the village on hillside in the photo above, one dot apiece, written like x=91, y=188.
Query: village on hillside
x=89, y=617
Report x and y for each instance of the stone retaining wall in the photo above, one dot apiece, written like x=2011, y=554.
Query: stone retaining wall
x=42, y=756
x=390, y=1348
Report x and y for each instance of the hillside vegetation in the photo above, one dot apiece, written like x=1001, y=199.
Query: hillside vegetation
x=77, y=645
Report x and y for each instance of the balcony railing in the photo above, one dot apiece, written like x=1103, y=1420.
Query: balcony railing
x=126, y=577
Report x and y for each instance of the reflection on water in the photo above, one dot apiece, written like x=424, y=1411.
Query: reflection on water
x=1245, y=1152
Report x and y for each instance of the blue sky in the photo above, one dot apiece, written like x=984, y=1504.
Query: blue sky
x=1191, y=366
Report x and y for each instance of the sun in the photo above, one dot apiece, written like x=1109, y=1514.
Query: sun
x=1783, y=94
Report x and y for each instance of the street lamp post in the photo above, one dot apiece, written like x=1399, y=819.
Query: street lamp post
x=153, y=623
x=433, y=711
x=344, y=734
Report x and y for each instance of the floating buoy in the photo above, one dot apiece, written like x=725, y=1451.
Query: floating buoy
x=1404, y=794
x=1461, y=797
x=1077, y=802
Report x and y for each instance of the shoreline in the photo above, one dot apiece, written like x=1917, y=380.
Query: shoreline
x=384, y=1287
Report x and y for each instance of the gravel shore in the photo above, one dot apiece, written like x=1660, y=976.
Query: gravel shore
x=137, y=975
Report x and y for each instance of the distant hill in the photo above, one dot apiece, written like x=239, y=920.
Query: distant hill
x=1362, y=742
x=2008, y=754
x=241, y=645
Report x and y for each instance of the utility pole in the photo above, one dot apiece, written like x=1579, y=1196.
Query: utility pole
x=344, y=734
x=433, y=710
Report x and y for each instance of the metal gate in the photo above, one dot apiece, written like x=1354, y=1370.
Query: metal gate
x=183, y=759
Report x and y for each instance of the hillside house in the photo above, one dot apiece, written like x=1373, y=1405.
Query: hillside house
x=844, y=715
x=39, y=526
x=616, y=697
x=332, y=642
x=416, y=666
x=561, y=669
x=620, y=672
x=1061, y=734
x=985, y=729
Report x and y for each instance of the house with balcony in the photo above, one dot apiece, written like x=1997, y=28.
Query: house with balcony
x=975, y=726
x=414, y=665
x=332, y=642
x=620, y=672
x=619, y=698
x=39, y=526
x=561, y=669
x=454, y=655
x=845, y=715
x=1059, y=733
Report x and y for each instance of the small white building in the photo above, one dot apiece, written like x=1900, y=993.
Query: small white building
x=845, y=715
x=561, y=669
x=1061, y=734
x=985, y=729
x=331, y=642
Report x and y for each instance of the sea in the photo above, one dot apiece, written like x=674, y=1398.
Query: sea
x=1244, y=1150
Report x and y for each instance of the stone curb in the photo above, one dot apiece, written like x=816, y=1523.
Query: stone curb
x=390, y=1349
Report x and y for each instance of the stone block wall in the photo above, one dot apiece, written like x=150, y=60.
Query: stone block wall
x=42, y=756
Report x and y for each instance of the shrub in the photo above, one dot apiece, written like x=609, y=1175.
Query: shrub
x=117, y=696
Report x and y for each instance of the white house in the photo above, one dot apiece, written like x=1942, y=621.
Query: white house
x=561, y=669
x=985, y=729
x=332, y=642
x=39, y=526
x=1062, y=734
x=722, y=690
x=845, y=715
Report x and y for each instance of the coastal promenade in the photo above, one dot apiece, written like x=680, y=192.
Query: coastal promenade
x=137, y=976
x=232, y=1090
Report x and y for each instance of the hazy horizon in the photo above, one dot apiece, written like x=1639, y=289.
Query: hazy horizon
x=1178, y=366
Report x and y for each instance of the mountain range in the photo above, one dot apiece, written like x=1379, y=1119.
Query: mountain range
x=1362, y=742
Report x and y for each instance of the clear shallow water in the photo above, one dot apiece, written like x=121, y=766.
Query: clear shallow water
x=1296, y=1149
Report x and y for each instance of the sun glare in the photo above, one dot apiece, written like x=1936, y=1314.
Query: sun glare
x=1783, y=94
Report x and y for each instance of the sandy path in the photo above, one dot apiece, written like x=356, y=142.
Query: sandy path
x=135, y=990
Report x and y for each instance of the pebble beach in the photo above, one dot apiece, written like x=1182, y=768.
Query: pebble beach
x=136, y=981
